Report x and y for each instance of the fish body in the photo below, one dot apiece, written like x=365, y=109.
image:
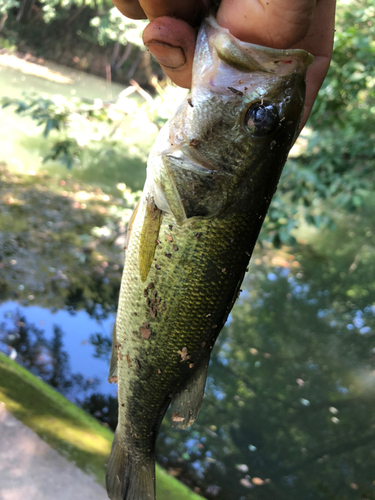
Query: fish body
x=210, y=178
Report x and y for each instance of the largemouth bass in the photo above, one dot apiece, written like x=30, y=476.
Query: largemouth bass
x=211, y=175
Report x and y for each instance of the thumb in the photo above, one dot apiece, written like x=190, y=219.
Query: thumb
x=274, y=23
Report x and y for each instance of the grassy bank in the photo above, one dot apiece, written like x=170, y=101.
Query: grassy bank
x=68, y=429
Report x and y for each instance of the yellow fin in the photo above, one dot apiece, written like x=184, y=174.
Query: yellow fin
x=149, y=236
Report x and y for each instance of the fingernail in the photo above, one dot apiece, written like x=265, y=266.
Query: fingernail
x=167, y=55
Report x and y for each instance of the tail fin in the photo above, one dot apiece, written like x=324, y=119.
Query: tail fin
x=126, y=479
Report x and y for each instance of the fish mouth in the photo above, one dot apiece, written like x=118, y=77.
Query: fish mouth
x=250, y=57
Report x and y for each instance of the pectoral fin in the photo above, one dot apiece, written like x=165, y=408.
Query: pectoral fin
x=186, y=404
x=112, y=377
x=149, y=236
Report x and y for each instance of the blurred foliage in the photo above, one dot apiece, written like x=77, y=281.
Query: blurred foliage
x=115, y=27
x=90, y=35
x=335, y=154
x=7, y=5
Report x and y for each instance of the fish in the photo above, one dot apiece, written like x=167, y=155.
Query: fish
x=211, y=175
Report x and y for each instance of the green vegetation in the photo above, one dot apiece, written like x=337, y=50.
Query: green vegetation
x=68, y=429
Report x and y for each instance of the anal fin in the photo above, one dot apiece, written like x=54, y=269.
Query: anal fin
x=186, y=404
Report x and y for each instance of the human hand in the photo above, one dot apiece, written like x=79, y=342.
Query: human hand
x=281, y=24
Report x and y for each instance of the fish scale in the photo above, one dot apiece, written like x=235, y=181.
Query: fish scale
x=211, y=175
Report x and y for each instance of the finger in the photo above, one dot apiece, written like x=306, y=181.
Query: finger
x=319, y=42
x=273, y=23
x=172, y=42
x=130, y=8
x=192, y=11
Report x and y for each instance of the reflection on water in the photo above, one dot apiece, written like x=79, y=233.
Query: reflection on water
x=55, y=344
x=289, y=411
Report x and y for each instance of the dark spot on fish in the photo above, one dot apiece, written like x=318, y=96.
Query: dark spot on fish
x=168, y=255
x=175, y=248
x=157, y=267
x=135, y=314
x=154, y=293
x=163, y=306
x=122, y=404
x=169, y=237
x=127, y=359
x=117, y=345
x=240, y=81
x=194, y=142
x=157, y=242
x=148, y=302
x=137, y=364
x=239, y=293
x=150, y=286
x=153, y=312
x=170, y=227
x=198, y=235
x=247, y=269
x=245, y=88
x=235, y=91
x=145, y=292
x=190, y=102
x=203, y=344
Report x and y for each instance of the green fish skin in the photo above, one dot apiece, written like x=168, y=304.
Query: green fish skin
x=210, y=178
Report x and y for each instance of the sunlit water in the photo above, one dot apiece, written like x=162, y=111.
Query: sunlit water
x=14, y=131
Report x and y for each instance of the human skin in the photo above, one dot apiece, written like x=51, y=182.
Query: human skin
x=280, y=24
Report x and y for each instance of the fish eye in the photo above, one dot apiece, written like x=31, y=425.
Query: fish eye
x=262, y=119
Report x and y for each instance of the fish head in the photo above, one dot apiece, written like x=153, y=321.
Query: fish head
x=228, y=141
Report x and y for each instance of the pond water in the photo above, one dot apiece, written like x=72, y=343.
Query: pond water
x=23, y=146
x=289, y=406
x=76, y=327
